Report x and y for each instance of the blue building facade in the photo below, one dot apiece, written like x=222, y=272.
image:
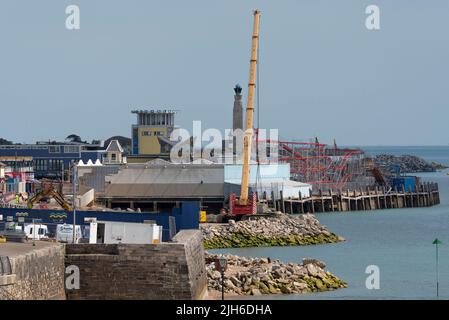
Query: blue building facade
x=186, y=216
x=53, y=160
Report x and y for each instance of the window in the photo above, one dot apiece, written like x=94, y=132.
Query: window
x=54, y=149
x=152, y=133
x=113, y=156
x=38, y=165
x=54, y=165
x=71, y=149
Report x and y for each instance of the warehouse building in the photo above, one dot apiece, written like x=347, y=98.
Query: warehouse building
x=159, y=184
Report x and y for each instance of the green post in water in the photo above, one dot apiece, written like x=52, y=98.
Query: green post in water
x=436, y=242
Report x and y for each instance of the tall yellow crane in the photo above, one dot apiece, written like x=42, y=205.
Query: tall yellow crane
x=244, y=205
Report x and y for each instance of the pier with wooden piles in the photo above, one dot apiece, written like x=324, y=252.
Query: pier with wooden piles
x=372, y=198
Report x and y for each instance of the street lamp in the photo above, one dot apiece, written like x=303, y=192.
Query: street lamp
x=34, y=232
x=222, y=263
x=74, y=178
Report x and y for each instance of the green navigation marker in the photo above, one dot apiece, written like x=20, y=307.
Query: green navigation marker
x=436, y=242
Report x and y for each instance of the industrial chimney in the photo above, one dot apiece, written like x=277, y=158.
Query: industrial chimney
x=237, y=115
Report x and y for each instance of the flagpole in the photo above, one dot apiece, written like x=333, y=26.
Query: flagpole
x=436, y=247
x=74, y=201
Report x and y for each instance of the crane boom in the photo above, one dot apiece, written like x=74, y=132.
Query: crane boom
x=247, y=139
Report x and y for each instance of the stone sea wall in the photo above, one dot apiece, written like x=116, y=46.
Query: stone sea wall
x=172, y=271
x=35, y=275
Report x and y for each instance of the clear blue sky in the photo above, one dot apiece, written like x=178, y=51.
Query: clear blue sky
x=322, y=73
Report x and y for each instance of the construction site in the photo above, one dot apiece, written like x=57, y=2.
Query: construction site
x=325, y=167
x=307, y=176
x=140, y=211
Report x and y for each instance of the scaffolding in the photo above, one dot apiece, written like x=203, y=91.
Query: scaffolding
x=324, y=167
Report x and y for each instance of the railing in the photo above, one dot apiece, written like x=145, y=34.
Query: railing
x=13, y=206
x=107, y=161
x=21, y=169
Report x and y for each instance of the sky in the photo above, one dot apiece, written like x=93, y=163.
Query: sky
x=322, y=72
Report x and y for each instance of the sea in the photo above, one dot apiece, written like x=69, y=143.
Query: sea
x=394, y=247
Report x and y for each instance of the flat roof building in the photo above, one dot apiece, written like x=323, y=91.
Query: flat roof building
x=151, y=133
x=158, y=184
x=52, y=160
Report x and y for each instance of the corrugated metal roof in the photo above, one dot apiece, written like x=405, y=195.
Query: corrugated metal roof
x=178, y=190
x=166, y=181
x=188, y=174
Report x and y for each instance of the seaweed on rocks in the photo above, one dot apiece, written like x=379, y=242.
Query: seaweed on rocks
x=279, y=230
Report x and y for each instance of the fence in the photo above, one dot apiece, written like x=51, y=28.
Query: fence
x=186, y=216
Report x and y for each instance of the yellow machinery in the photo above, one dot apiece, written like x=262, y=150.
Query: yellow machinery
x=246, y=204
x=50, y=192
x=203, y=216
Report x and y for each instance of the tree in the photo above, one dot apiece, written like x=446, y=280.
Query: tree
x=74, y=138
x=95, y=141
x=4, y=141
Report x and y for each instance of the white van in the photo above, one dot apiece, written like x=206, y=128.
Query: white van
x=64, y=233
x=36, y=231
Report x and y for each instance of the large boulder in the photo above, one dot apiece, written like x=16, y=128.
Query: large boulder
x=316, y=262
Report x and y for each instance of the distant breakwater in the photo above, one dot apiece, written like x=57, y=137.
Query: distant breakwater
x=391, y=164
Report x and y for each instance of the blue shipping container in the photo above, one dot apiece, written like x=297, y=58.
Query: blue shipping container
x=409, y=183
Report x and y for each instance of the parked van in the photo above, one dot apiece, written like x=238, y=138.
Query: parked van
x=64, y=233
x=36, y=231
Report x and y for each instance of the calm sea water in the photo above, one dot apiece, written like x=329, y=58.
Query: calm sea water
x=398, y=241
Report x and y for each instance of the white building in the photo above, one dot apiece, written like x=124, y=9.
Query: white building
x=268, y=178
